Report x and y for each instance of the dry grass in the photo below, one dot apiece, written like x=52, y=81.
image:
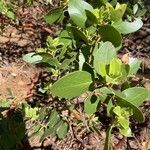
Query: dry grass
x=16, y=79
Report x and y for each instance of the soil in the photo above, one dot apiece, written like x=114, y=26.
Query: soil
x=31, y=33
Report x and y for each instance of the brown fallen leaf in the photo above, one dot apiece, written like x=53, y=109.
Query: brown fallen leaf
x=125, y=58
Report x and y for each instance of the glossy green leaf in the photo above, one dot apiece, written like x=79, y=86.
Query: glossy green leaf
x=54, y=15
x=109, y=33
x=72, y=85
x=136, y=95
x=125, y=27
x=108, y=138
x=76, y=9
x=91, y=104
x=62, y=130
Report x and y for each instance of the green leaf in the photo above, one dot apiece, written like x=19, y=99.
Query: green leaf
x=135, y=8
x=76, y=9
x=117, y=111
x=45, y=58
x=32, y=58
x=137, y=114
x=109, y=107
x=128, y=27
x=125, y=131
x=118, y=13
x=105, y=53
x=62, y=130
x=10, y=14
x=91, y=18
x=81, y=60
x=109, y=33
x=53, y=119
x=115, y=68
x=54, y=15
x=123, y=122
x=48, y=59
x=136, y=95
x=107, y=140
x=72, y=85
x=103, y=56
x=134, y=64
x=91, y=104
x=76, y=34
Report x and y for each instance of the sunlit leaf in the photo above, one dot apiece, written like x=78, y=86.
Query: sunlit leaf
x=77, y=11
x=91, y=104
x=136, y=95
x=125, y=27
x=72, y=85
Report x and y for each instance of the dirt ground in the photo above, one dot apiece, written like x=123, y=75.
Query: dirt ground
x=17, y=40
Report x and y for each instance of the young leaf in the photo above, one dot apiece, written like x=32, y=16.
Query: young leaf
x=91, y=104
x=136, y=95
x=137, y=114
x=125, y=131
x=103, y=56
x=123, y=122
x=115, y=68
x=109, y=33
x=72, y=85
x=76, y=9
x=108, y=138
x=118, y=12
x=128, y=27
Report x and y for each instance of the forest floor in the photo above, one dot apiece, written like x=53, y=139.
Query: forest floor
x=30, y=34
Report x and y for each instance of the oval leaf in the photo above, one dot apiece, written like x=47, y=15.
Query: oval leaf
x=128, y=27
x=109, y=33
x=54, y=16
x=62, y=130
x=76, y=9
x=137, y=114
x=91, y=104
x=136, y=95
x=32, y=58
x=72, y=85
x=103, y=56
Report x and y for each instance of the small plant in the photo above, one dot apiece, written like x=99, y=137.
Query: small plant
x=6, y=8
x=86, y=51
